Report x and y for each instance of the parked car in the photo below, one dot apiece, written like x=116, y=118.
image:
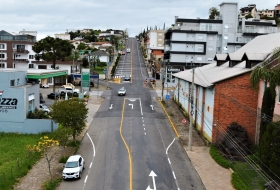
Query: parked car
x=73, y=167
x=44, y=86
x=123, y=53
x=44, y=108
x=122, y=91
x=55, y=95
x=68, y=89
x=128, y=50
x=127, y=77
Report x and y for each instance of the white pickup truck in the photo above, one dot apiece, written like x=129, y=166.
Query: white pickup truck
x=68, y=89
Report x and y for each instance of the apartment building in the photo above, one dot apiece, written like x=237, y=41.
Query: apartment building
x=265, y=13
x=249, y=10
x=16, y=49
x=197, y=41
x=277, y=11
x=63, y=36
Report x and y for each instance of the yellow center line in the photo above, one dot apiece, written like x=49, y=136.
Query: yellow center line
x=127, y=148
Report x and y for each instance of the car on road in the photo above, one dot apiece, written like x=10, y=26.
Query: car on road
x=127, y=77
x=54, y=95
x=44, y=86
x=44, y=108
x=122, y=91
x=128, y=50
x=73, y=167
x=123, y=53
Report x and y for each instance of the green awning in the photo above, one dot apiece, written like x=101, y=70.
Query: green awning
x=43, y=75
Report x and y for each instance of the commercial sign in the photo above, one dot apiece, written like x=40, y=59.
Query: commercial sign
x=85, y=79
x=8, y=103
x=173, y=70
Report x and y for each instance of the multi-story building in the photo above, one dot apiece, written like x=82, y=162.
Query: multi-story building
x=249, y=10
x=155, y=49
x=197, y=41
x=63, y=36
x=16, y=50
x=265, y=13
x=277, y=11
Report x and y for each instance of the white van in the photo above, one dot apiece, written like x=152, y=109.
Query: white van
x=128, y=50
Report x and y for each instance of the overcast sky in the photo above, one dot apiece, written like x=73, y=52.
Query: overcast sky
x=49, y=17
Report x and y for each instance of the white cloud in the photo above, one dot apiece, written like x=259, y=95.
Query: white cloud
x=56, y=16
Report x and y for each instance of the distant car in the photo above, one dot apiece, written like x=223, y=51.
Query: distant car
x=44, y=108
x=55, y=95
x=128, y=50
x=44, y=86
x=127, y=77
x=73, y=167
x=122, y=91
x=123, y=53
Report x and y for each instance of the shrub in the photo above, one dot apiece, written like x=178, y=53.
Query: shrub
x=237, y=182
x=216, y=155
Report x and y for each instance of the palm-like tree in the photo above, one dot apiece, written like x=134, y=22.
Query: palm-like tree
x=270, y=74
x=213, y=11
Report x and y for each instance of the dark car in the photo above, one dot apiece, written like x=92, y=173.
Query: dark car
x=53, y=95
x=127, y=77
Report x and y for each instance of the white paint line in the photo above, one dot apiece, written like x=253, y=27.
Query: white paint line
x=86, y=179
x=170, y=145
x=143, y=125
x=141, y=106
x=145, y=133
x=174, y=175
x=90, y=165
x=93, y=147
x=169, y=160
x=144, y=129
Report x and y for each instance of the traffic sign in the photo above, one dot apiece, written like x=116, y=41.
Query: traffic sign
x=184, y=121
x=167, y=97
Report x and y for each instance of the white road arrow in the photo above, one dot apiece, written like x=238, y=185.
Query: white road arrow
x=131, y=105
x=152, y=107
x=148, y=188
x=153, y=175
x=111, y=106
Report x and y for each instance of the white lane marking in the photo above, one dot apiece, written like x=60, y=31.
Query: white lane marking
x=141, y=107
x=169, y=160
x=174, y=175
x=143, y=125
x=170, y=145
x=131, y=105
x=144, y=129
x=111, y=106
x=145, y=133
x=152, y=107
x=90, y=165
x=86, y=179
x=93, y=147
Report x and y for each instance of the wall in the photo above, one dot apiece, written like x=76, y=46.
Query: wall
x=29, y=126
x=235, y=101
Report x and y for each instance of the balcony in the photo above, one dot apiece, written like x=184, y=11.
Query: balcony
x=20, y=51
x=21, y=60
x=259, y=30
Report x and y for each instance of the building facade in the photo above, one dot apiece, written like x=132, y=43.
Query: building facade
x=249, y=10
x=16, y=50
x=197, y=41
x=63, y=36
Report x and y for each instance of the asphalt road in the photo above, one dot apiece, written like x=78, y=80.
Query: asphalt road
x=130, y=143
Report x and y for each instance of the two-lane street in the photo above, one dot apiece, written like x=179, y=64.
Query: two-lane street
x=130, y=143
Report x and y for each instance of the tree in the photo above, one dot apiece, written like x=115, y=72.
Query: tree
x=48, y=147
x=248, y=16
x=62, y=134
x=70, y=113
x=266, y=72
x=52, y=49
x=213, y=11
x=81, y=46
x=102, y=64
x=85, y=62
x=270, y=148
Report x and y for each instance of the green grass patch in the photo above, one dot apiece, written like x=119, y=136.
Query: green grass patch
x=247, y=177
x=15, y=159
x=51, y=185
x=216, y=155
x=63, y=159
x=99, y=70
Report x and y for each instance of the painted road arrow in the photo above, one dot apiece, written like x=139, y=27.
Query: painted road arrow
x=131, y=105
x=153, y=175
x=152, y=107
x=111, y=106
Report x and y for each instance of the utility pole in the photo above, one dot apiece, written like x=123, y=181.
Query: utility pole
x=163, y=79
x=191, y=116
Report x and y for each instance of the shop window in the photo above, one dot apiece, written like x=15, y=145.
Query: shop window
x=12, y=82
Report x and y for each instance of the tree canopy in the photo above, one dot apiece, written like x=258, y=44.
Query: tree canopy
x=70, y=113
x=213, y=11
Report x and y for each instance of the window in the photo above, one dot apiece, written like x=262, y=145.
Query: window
x=210, y=38
x=209, y=59
x=199, y=58
x=12, y=82
x=2, y=56
x=31, y=66
x=31, y=56
x=200, y=37
x=2, y=46
x=2, y=65
x=42, y=66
